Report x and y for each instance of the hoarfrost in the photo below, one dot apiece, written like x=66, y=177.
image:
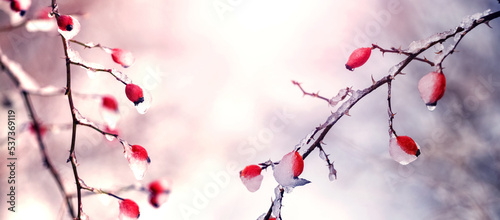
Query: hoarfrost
x=253, y=183
x=120, y=76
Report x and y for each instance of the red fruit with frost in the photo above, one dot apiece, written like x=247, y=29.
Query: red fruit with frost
x=20, y=6
x=139, y=153
x=109, y=102
x=251, y=177
x=128, y=209
x=65, y=22
x=298, y=164
x=134, y=93
x=432, y=87
x=403, y=149
x=159, y=191
x=122, y=57
x=358, y=58
x=250, y=171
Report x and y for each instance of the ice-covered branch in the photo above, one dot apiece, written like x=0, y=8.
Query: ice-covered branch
x=411, y=150
x=21, y=79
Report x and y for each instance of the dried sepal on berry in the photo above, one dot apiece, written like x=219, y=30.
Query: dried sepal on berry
x=431, y=88
x=68, y=26
x=288, y=170
x=403, y=149
x=129, y=210
x=122, y=57
x=358, y=58
x=251, y=177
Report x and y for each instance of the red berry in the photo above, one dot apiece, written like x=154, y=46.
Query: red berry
x=250, y=171
x=358, y=58
x=408, y=145
x=65, y=22
x=139, y=153
x=155, y=187
x=298, y=164
x=432, y=87
x=110, y=103
x=20, y=6
x=134, y=93
x=122, y=57
x=129, y=209
x=153, y=200
x=15, y=5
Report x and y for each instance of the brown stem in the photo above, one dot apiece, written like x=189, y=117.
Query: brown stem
x=36, y=126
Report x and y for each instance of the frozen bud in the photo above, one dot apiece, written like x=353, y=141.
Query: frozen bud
x=122, y=57
x=20, y=6
x=68, y=26
x=287, y=171
x=358, y=58
x=129, y=210
x=403, y=149
x=134, y=93
x=431, y=88
x=138, y=160
x=251, y=177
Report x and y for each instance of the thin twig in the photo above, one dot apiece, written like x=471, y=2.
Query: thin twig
x=400, y=51
x=37, y=129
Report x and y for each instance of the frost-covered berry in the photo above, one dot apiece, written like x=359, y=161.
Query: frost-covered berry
x=289, y=168
x=358, y=58
x=134, y=93
x=110, y=103
x=20, y=6
x=431, y=88
x=128, y=210
x=65, y=22
x=69, y=26
x=159, y=191
x=122, y=57
x=138, y=160
x=403, y=149
x=251, y=177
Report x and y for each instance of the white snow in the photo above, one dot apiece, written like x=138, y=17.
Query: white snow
x=252, y=184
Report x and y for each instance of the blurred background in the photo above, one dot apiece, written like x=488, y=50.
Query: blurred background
x=220, y=74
